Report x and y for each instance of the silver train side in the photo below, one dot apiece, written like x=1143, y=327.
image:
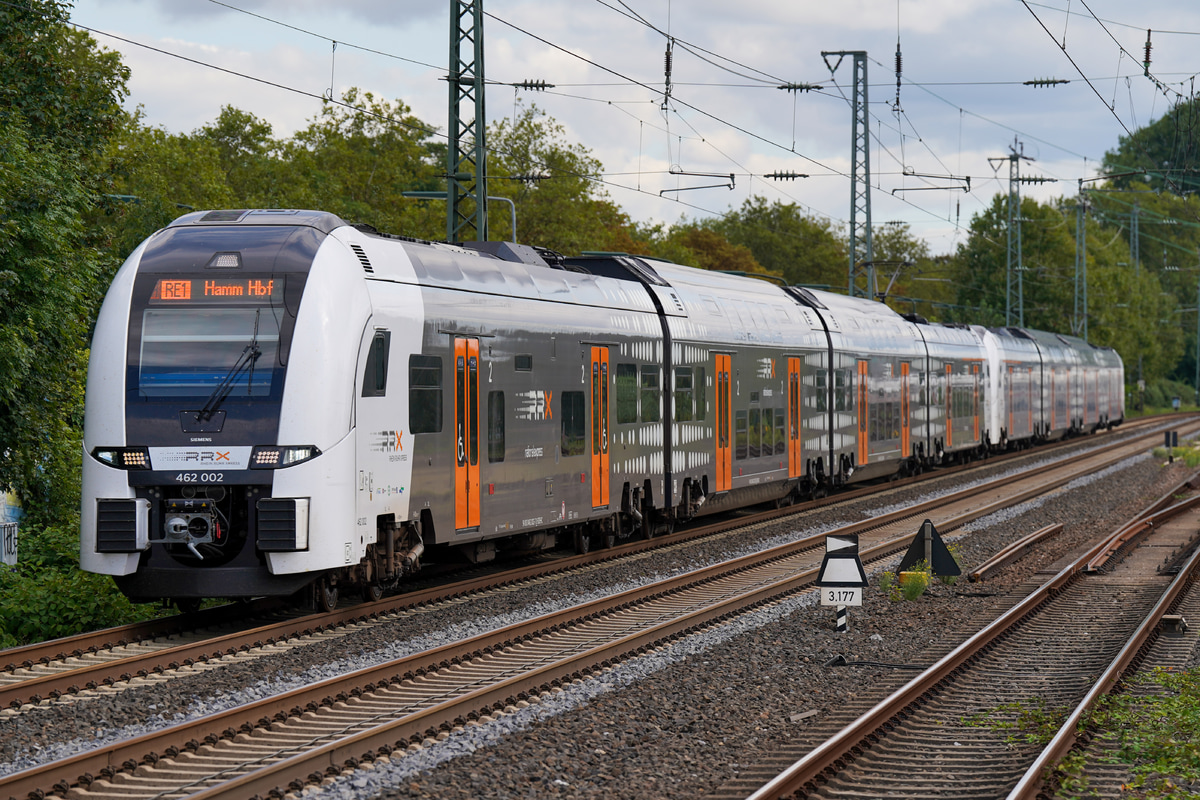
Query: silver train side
x=279, y=402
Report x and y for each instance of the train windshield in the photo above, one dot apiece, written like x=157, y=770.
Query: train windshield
x=192, y=352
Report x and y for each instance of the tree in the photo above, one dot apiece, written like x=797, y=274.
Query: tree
x=355, y=159
x=61, y=100
x=560, y=203
x=786, y=241
x=1164, y=154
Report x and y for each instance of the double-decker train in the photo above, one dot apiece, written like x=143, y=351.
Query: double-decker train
x=280, y=402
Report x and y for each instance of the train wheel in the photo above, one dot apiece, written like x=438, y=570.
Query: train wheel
x=583, y=542
x=371, y=592
x=610, y=538
x=187, y=605
x=325, y=595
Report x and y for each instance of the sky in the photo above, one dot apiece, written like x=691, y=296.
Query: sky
x=961, y=110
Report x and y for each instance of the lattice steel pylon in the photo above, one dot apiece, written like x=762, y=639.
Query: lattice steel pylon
x=1014, y=270
x=466, y=159
x=862, y=267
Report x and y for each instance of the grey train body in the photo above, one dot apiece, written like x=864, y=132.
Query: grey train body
x=278, y=399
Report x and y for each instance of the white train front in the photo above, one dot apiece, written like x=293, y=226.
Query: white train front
x=279, y=401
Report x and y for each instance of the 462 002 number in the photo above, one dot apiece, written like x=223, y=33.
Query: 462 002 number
x=200, y=477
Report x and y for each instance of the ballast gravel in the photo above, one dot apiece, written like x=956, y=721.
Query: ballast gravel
x=675, y=723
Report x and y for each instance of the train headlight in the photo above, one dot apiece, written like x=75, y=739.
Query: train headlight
x=278, y=457
x=123, y=457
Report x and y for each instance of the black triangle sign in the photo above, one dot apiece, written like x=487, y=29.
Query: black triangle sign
x=941, y=563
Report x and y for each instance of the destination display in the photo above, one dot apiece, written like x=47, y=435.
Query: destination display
x=208, y=290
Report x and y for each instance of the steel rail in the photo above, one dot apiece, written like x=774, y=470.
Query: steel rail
x=163, y=658
x=1031, y=782
x=226, y=725
x=831, y=753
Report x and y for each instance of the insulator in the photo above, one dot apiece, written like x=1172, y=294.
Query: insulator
x=1146, y=60
x=667, y=62
x=899, y=62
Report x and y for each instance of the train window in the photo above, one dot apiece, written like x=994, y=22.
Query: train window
x=683, y=394
x=375, y=375
x=627, y=399
x=768, y=431
x=842, y=392
x=821, y=380
x=495, y=432
x=573, y=413
x=741, y=438
x=780, y=432
x=651, y=394
x=701, y=383
x=425, y=394
x=755, y=437
x=523, y=363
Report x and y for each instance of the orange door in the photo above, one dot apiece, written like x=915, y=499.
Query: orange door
x=793, y=416
x=466, y=433
x=905, y=429
x=863, y=451
x=599, y=427
x=724, y=449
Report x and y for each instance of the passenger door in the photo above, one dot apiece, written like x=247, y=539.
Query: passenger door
x=466, y=433
x=795, y=464
x=863, y=417
x=599, y=427
x=724, y=415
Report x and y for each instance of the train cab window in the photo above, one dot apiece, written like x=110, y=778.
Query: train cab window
x=573, y=414
x=627, y=399
x=683, y=394
x=651, y=394
x=375, y=375
x=495, y=432
x=701, y=382
x=425, y=394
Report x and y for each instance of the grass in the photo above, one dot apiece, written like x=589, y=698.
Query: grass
x=1155, y=736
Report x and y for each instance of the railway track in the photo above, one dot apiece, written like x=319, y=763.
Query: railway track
x=1072, y=638
x=107, y=660
x=298, y=737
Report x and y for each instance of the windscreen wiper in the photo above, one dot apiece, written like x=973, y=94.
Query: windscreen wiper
x=250, y=354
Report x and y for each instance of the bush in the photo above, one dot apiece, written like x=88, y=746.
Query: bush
x=46, y=596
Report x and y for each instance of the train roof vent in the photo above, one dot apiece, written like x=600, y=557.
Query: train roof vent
x=232, y=215
x=362, y=258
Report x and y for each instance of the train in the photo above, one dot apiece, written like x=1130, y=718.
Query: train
x=280, y=403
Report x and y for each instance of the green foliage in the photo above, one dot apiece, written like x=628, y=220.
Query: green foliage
x=1031, y=722
x=56, y=81
x=1157, y=737
x=46, y=596
x=786, y=241
x=552, y=182
x=48, y=293
x=915, y=580
x=889, y=586
x=1165, y=151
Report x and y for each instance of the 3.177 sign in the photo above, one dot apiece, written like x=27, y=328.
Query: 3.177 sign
x=842, y=596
